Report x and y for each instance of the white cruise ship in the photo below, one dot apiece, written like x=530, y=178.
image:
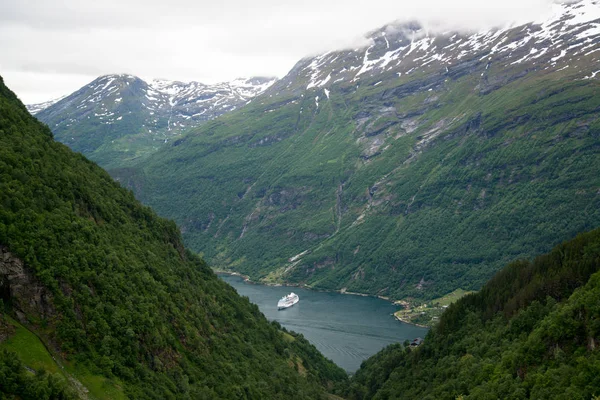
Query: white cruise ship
x=287, y=301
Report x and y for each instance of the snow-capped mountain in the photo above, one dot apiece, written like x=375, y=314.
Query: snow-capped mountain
x=36, y=108
x=191, y=103
x=567, y=40
x=122, y=116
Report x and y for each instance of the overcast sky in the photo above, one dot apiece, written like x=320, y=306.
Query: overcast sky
x=50, y=48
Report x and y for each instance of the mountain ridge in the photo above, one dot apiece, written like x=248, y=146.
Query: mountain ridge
x=120, y=117
x=400, y=45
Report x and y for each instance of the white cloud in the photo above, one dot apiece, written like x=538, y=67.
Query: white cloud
x=51, y=48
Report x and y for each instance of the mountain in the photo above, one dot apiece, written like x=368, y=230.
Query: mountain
x=401, y=53
x=36, y=108
x=532, y=332
x=117, y=118
x=100, y=300
x=408, y=168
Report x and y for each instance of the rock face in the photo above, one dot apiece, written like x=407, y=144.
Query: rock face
x=19, y=288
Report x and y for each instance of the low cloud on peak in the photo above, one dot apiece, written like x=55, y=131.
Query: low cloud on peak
x=51, y=48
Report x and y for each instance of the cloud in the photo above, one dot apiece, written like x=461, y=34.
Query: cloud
x=206, y=41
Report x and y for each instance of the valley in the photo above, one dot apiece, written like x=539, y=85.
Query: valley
x=432, y=194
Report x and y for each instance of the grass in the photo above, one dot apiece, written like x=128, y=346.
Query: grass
x=34, y=354
x=287, y=337
x=99, y=387
x=29, y=348
x=450, y=297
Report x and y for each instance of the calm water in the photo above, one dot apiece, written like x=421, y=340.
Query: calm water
x=346, y=329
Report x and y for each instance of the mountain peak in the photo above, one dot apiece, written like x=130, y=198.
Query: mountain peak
x=117, y=76
x=571, y=32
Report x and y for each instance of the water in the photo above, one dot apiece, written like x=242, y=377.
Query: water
x=346, y=329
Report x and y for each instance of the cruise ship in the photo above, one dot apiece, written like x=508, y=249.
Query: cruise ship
x=287, y=301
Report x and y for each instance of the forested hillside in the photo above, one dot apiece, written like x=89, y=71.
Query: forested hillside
x=532, y=332
x=119, y=304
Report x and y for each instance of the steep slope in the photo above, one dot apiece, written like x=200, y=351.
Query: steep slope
x=117, y=118
x=110, y=289
x=531, y=333
x=414, y=166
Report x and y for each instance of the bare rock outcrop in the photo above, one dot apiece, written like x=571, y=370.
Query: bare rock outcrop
x=27, y=296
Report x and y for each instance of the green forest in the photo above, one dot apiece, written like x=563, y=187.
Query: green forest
x=116, y=297
x=532, y=332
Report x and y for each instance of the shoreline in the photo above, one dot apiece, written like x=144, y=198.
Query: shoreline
x=411, y=323
x=247, y=279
